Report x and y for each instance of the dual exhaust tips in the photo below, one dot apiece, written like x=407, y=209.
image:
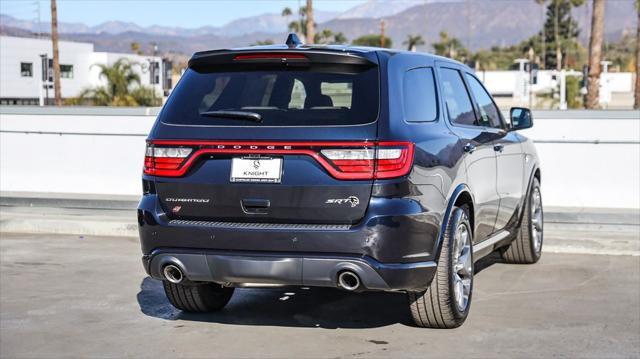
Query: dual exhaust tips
x=347, y=279
x=173, y=273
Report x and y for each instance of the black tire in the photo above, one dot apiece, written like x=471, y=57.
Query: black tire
x=207, y=297
x=436, y=307
x=523, y=249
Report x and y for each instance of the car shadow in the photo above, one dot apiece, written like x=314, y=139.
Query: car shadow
x=327, y=308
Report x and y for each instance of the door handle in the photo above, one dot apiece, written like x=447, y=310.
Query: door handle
x=498, y=148
x=469, y=148
x=255, y=206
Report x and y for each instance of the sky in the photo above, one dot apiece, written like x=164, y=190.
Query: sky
x=181, y=13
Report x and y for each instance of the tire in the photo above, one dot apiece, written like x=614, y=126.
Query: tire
x=197, y=298
x=438, y=307
x=526, y=248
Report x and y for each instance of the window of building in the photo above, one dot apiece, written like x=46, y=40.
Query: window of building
x=26, y=69
x=457, y=100
x=66, y=71
x=420, y=104
x=154, y=73
x=489, y=113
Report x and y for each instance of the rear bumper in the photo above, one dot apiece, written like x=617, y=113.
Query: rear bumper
x=394, y=247
x=288, y=269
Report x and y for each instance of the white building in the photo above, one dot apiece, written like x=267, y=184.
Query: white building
x=22, y=61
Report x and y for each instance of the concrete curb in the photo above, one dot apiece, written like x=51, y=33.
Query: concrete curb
x=84, y=222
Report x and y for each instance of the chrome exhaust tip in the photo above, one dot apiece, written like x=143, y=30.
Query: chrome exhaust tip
x=348, y=280
x=173, y=273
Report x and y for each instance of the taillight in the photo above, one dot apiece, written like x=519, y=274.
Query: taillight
x=342, y=160
x=385, y=160
x=165, y=161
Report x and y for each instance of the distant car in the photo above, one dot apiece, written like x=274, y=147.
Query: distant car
x=335, y=166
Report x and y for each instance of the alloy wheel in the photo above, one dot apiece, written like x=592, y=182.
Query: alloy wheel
x=536, y=219
x=462, y=267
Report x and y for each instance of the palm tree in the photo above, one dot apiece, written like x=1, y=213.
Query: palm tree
x=595, y=53
x=120, y=89
x=286, y=13
x=339, y=38
x=412, y=41
x=310, y=24
x=637, y=94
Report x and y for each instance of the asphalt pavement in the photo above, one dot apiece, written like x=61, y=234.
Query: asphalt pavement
x=84, y=296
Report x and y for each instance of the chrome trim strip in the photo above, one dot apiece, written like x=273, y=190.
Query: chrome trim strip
x=262, y=226
x=490, y=241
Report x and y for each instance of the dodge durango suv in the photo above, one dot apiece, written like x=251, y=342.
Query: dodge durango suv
x=357, y=168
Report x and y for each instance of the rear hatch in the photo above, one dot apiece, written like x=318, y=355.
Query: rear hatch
x=278, y=136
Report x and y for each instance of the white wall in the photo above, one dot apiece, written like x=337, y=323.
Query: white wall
x=577, y=171
x=505, y=82
x=14, y=50
x=104, y=153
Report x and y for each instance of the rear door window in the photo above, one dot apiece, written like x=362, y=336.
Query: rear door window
x=419, y=92
x=489, y=113
x=281, y=97
x=457, y=101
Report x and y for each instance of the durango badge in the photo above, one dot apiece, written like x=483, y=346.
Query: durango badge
x=352, y=200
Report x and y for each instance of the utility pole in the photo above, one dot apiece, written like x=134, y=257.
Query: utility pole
x=310, y=24
x=595, y=54
x=382, y=25
x=544, y=40
x=39, y=32
x=56, y=54
x=556, y=34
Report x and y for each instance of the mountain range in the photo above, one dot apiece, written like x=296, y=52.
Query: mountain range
x=478, y=24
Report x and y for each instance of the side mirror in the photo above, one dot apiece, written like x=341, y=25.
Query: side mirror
x=520, y=118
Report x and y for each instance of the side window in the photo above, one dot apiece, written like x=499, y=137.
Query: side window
x=456, y=98
x=489, y=113
x=420, y=103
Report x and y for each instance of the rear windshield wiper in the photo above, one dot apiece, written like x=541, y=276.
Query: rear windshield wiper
x=235, y=115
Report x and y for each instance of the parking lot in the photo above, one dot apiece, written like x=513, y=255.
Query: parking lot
x=74, y=296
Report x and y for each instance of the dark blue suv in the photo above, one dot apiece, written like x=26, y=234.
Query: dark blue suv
x=335, y=166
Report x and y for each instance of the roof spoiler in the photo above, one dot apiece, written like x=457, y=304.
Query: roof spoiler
x=295, y=53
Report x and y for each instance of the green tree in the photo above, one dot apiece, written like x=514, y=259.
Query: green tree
x=327, y=36
x=263, y=42
x=450, y=47
x=412, y=41
x=300, y=26
x=372, y=40
x=123, y=87
x=135, y=48
x=286, y=13
x=339, y=38
x=560, y=32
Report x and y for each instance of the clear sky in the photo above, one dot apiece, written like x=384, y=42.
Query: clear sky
x=182, y=13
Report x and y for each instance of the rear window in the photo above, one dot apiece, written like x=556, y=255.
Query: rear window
x=420, y=104
x=300, y=97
